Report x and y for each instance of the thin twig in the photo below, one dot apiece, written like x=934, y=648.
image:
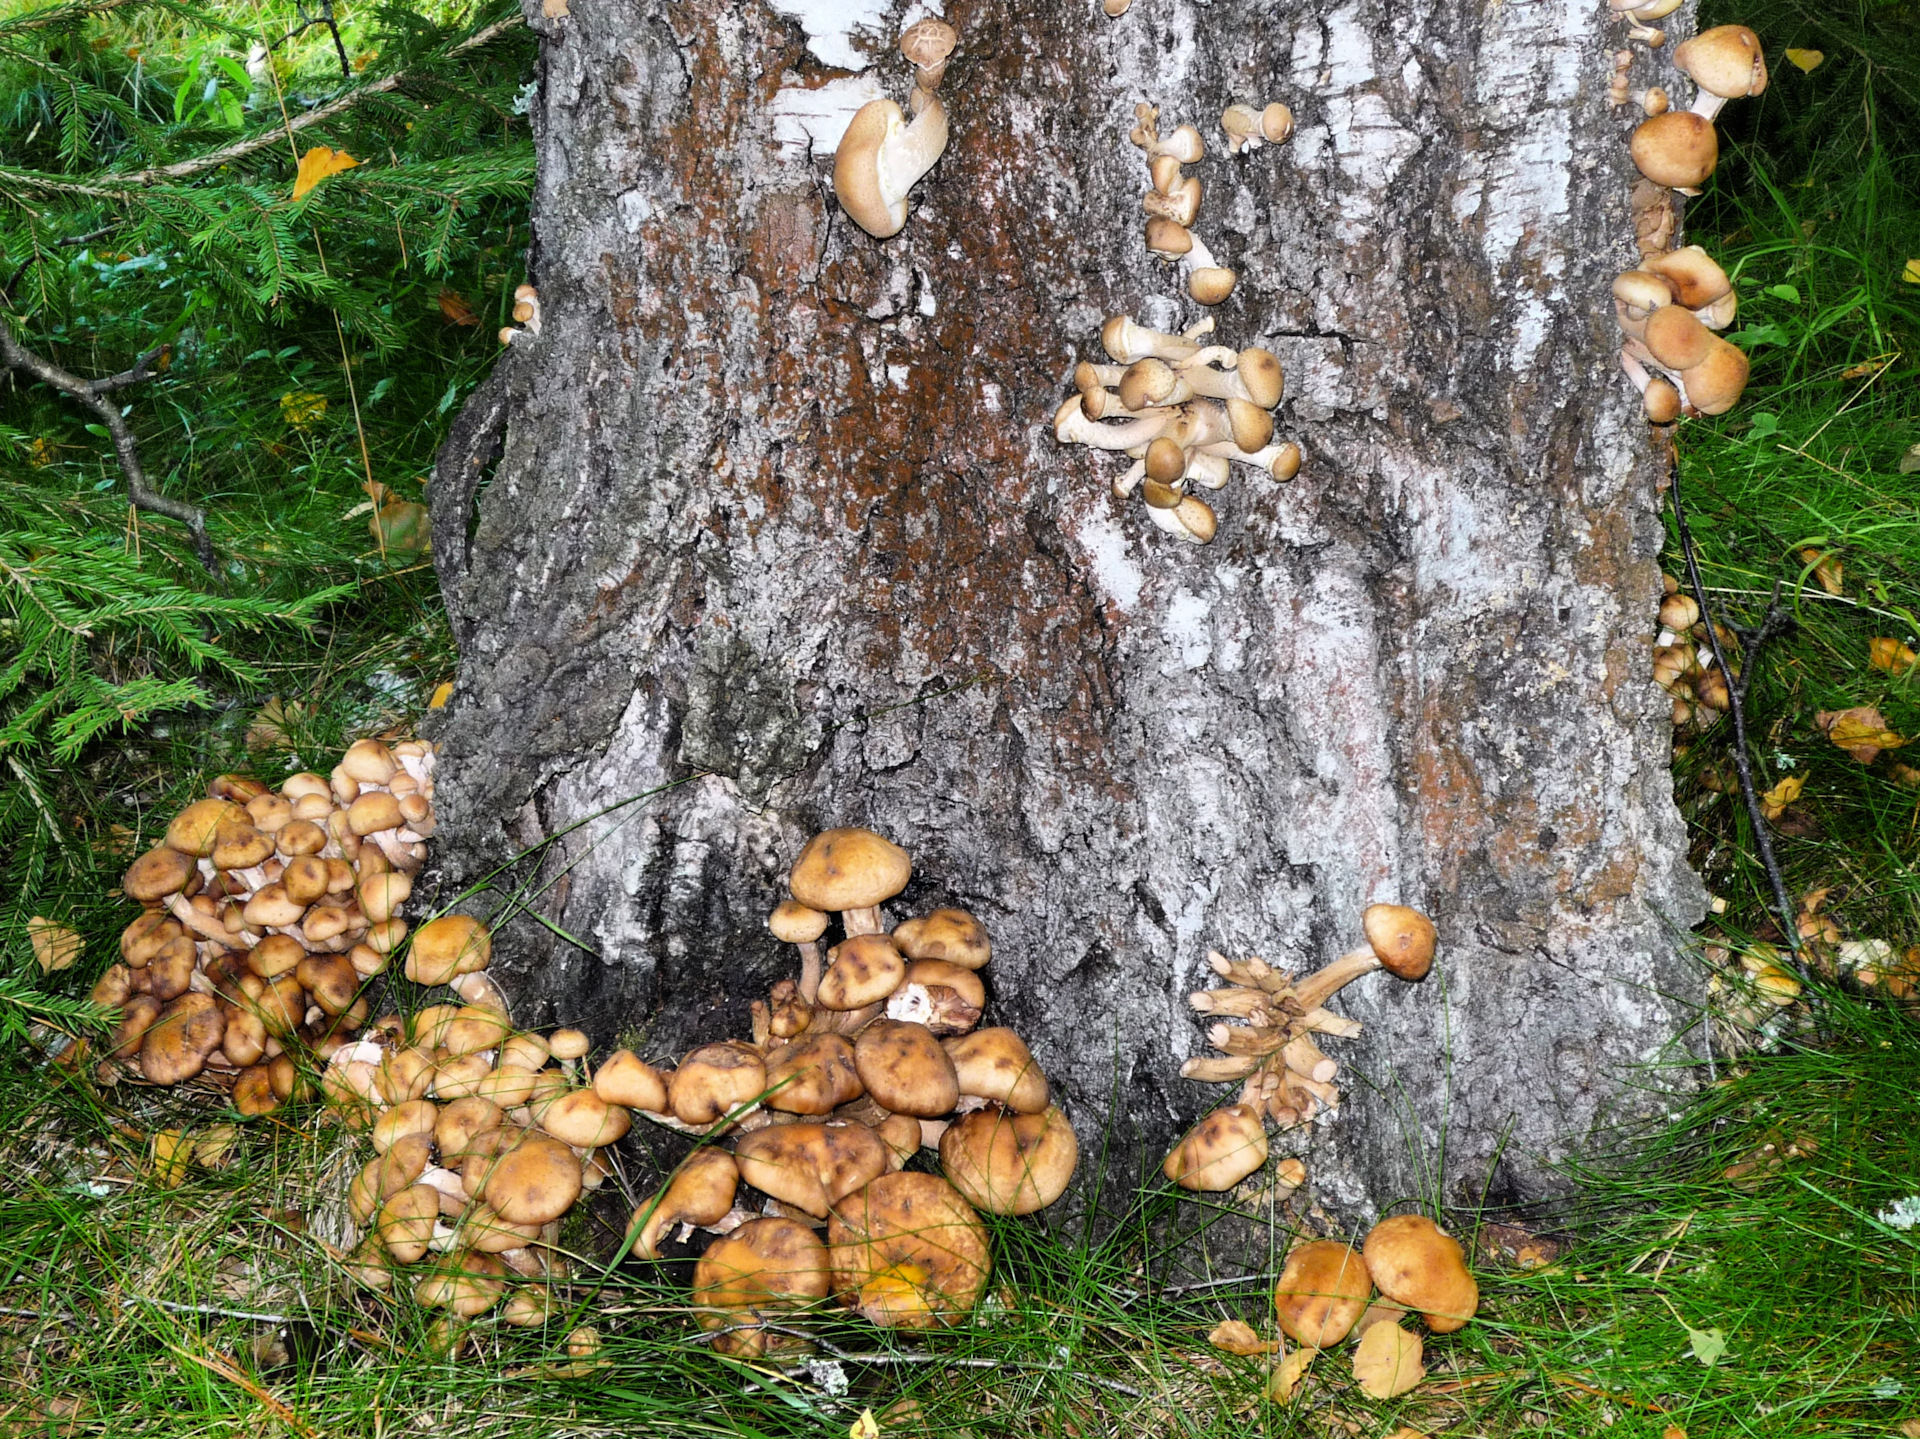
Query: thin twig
x=93, y=394
x=91, y=235
x=916, y=1356
x=1736, y=709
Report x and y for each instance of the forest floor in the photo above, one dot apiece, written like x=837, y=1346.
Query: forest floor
x=1754, y=1270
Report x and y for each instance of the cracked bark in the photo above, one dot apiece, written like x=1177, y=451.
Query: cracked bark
x=771, y=497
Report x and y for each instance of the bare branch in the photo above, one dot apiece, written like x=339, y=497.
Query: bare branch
x=93, y=394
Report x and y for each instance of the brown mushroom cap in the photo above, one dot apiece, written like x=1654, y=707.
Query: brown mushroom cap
x=765, y=1269
x=332, y=982
x=996, y=1064
x=368, y=761
x=816, y=1075
x=1715, y=384
x=568, y=1044
x=455, y=1125
x=409, y=1117
x=700, y=1192
x=452, y=944
x=1321, y=1293
x=298, y=837
x=949, y=934
x=627, y=1079
x=146, y=936
x=136, y=1018
x=157, y=874
x=811, y=1166
x=905, y=1070
x=405, y=1222
x=374, y=811
x=908, y=1251
x=862, y=970
x=195, y=830
x=1727, y=61
x=1403, y=939
x=794, y=923
x=1219, y=1151
x=1677, y=338
x=1694, y=277
x=534, y=1183
x=469, y=1284
x=714, y=1080
x=926, y=43
x=177, y=1043
x=240, y=846
x=1678, y=149
x=1412, y=1262
x=271, y=906
x=964, y=982
x=474, y=1028
x=1009, y=1163
x=584, y=1120
x=843, y=869
x=253, y=1091
x=275, y=955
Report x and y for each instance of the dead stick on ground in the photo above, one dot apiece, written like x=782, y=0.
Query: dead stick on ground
x=1737, y=710
x=93, y=394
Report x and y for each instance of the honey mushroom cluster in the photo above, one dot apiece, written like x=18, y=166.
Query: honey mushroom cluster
x=1286, y=1078
x=1683, y=662
x=526, y=313
x=873, y=1053
x=883, y=155
x=1173, y=204
x=1326, y=1293
x=1671, y=307
x=265, y=913
x=1185, y=412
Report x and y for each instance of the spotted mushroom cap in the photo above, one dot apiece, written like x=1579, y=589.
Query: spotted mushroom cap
x=905, y=1069
x=908, y=1251
x=766, y=1268
x=811, y=1166
x=996, y=1064
x=949, y=934
x=862, y=970
x=815, y=1075
x=1008, y=1163
x=1321, y=1293
x=843, y=869
x=1219, y=1151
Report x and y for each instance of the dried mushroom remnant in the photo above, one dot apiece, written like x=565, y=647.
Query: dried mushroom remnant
x=1184, y=412
x=883, y=156
x=1387, y=1361
x=1287, y=1077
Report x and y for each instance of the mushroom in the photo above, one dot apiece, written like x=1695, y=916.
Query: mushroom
x=926, y=44
x=700, y=1192
x=715, y=1080
x=815, y=1075
x=468, y=1283
x=862, y=970
x=907, y=1251
x=534, y=1182
x=1007, y=1163
x=1127, y=341
x=1726, y=62
x=882, y=157
x=1399, y=940
x=452, y=944
x=185, y=1032
x=1321, y=1293
x=625, y=1078
x=1661, y=399
x=1696, y=283
x=1386, y=1362
x=196, y=829
x=1414, y=1264
x=1219, y=1151
x=765, y=1269
x=1247, y=129
x=811, y=1166
x=948, y=996
x=851, y=871
x=996, y=1064
x=158, y=874
x=1714, y=385
x=905, y=1069
x=1678, y=149
x=1184, y=144
x=794, y=923
x=584, y=1120
x=406, y=1222
x=1636, y=295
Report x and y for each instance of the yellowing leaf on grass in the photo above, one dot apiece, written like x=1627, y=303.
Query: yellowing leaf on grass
x=1774, y=802
x=1387, y=1361
x=1807, y=60
x=1287, y=1377
x=1237, y=1337
x=1826, y=569
x=1887, y=653
x=401, y=528
x=442, y=692
x=316, y=165
x=55, y=946
x=1912, y=273
x=865, y=1427
x=39, y=453
x=1861, y=731
x=302, y=408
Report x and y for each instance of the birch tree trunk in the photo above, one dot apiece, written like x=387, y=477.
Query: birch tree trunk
x=780, y=504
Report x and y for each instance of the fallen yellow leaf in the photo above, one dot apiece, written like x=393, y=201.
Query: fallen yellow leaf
x=1387, y=1361
x=1912, y=273
x=1861, y=731
x=1287, y=1377
x=1887, y=653
x=442, y=692
x=316, y=165
x=865, y=1427
x=1826, y=569
x=54, y=945
x=1774, y=802
x=1808, y=61
x=1237, y=1337
x=302, y=408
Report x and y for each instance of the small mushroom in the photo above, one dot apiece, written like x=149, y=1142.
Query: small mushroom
x=624, y=1078
x=1399, y=940
x=861, y=970
x=996, y=1064
x=794, y=923
x=815, y=1075
x=1678, y=149
x=1247, y=129
x=185, y=1032
x=700, y=1192
x=1321, y=1292
x=1219, y=1151
x=157, y=874
x=907, y=1251
x=881, y=157
x=1007, y=1163
x=926, y=44
x=1697, y=283
x=764, y=1270
x=715, y=1080
x=1414, y=1264
x=196, y=829
x=534, y=1182
x=452, y=944
x=905, y=1069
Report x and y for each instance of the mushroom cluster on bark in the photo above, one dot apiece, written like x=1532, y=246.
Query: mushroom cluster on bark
x=873, y=1053
x=1325, y=1294
x=883, y=154
x=266, y=911
x=1184, y=412
x=1683, y=663
x=1173, y=204
x=1286, y=1078
x=1671, y=307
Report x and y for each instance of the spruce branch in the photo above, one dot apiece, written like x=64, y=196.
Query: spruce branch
x=93, y=394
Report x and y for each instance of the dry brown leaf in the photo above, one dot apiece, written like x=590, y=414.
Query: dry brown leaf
x=1906, y=776
x=401, y=528
x=1387, y=1362
x=316, y=165
x=1826, y=569
x=1237, y=1337
x=55, y=946
x=1774, y=801
x=1861, y=731
x=1381, y=1311
x=454, y=306
x=1886, y=653
x=1674, y=1431
x=1910, y=1428
x=1288, y=1376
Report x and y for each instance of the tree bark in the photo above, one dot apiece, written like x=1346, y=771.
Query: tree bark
x=780, y=505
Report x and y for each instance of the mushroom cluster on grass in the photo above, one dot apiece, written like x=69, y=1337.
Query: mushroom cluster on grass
x=1173, y=204
x=265, y=912
x=1671, y=307
x=883, y=154
x=873, y=1053
x=1285, y=1077
x=1326, y=1294
x=1184, y=412
x=1683, y=663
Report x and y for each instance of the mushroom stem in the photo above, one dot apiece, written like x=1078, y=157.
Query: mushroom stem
x=862, y=921
x=810, y=971
x=1307, y=1059
x=1706, y=104
x=1125, y=483
x=1323, y=984
x=1325, y=1021
x=204, y=925
x=1071, y=426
